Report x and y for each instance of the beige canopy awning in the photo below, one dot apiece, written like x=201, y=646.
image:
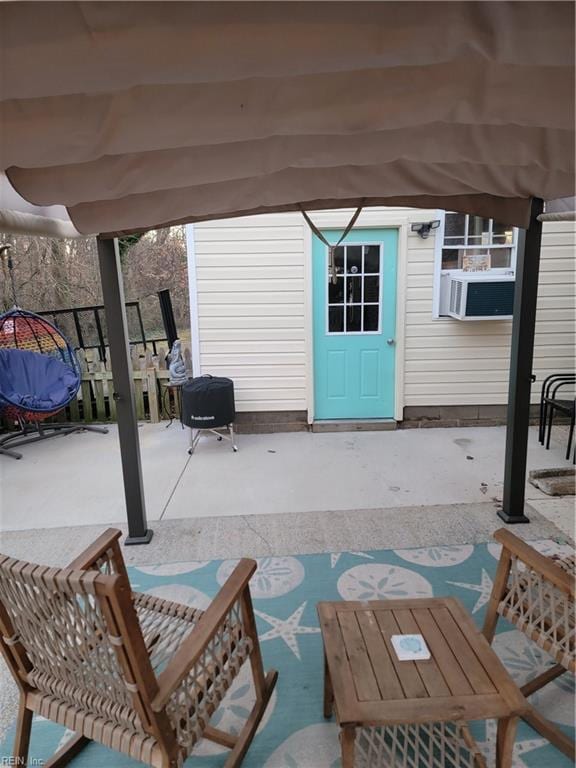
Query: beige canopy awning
x=141, y=114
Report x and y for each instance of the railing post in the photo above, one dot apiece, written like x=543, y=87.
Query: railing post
x=521, y=357
x=118, y=341
x=153, y=404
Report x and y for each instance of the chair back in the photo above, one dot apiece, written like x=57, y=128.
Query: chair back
x=62, y=637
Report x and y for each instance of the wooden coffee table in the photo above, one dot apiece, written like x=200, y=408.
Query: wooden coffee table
x=404, y=705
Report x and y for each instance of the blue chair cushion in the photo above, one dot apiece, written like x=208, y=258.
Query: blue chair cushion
x=35, y=382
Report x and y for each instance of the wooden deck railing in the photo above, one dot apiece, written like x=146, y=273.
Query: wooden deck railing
x=95, y=403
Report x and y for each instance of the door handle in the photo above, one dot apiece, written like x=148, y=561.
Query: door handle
x=390, y=341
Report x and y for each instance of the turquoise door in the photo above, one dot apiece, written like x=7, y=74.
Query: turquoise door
x=354, y=325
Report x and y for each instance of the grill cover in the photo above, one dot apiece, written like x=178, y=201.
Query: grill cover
x=208, y=402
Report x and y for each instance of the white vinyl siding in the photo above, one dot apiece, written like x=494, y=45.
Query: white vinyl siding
x=252, y=315
x=450, y=362
x=250, y=276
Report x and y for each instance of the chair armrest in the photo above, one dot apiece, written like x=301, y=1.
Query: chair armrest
x=535, y=560
x=208, y=625
x=104, y=555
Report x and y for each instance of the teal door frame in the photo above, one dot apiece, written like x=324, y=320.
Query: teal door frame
x=354, y=371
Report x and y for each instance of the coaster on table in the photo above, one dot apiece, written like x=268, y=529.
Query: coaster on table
x=410, y=647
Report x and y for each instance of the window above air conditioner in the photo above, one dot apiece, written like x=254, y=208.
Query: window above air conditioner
x=475, y=260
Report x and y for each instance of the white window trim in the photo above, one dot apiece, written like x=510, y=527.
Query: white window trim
x=438, y=271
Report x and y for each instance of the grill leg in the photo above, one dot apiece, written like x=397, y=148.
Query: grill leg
x=195, y=435
x=194, y=438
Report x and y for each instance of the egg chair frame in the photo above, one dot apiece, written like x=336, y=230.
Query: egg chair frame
x=34, y=340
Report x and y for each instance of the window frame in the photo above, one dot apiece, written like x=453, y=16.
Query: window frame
x=440, y=245
x=362, y=275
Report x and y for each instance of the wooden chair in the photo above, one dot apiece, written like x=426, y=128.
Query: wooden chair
x=136, y=673
x=536, y=594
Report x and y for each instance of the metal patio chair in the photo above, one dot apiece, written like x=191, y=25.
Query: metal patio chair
x=536, y=594
x=551, y=402
x=139, y=674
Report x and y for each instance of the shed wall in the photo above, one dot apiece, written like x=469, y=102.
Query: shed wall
x=252, y=277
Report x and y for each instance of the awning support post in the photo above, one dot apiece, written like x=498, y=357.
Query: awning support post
x=521, y=357
x=118, y=341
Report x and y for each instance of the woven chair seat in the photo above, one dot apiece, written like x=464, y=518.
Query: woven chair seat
x=164, y=626
x=541, y=610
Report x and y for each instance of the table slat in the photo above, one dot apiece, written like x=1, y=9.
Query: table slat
x=460, y=645
x=446, y=660
x=491, y=663
x=366, y=685
x=388, y=682
x=340, y=674
x=429, y=670
x=410, y=680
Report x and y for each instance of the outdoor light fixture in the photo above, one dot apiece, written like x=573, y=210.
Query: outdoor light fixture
x=423, y=228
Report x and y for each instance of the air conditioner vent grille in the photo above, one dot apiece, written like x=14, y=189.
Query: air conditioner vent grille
x=456, y=296
x=490, y=299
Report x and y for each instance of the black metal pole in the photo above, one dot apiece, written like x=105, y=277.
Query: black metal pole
x=168, y=316
x=101, y=341
x=521, y=357
x=118, y=341
x=78, y=328
x=141, y=324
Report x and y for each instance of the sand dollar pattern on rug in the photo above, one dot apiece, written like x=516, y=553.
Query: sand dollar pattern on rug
x=181, y=593
x=316, y=745
x=378, y=581
x=436, y=557
x=233, y=712
x=275, y=577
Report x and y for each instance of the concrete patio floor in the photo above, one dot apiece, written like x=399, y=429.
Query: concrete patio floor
x=280, y=494
x=77, y=480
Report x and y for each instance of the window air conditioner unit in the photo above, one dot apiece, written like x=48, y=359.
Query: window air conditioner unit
x=481, y=297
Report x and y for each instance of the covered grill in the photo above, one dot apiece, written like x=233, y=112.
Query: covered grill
x=208, y=405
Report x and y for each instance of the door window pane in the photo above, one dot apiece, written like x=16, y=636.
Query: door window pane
x=335, y=319
x=354, y=318
x=336, y=292
x=372, y=259
x=353, y=290
x=339, y=260
x=354, y=300
x=372, y=289
x=354, y=259
x=371, y=317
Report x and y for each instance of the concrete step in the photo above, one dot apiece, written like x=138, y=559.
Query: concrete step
x=354, y=425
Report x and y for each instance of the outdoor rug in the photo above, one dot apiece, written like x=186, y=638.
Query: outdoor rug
x=285, y=591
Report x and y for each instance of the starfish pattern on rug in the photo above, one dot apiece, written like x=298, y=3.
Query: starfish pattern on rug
x=484, y=588
x=335, y=556
x=287, y=629
x=521, y=746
